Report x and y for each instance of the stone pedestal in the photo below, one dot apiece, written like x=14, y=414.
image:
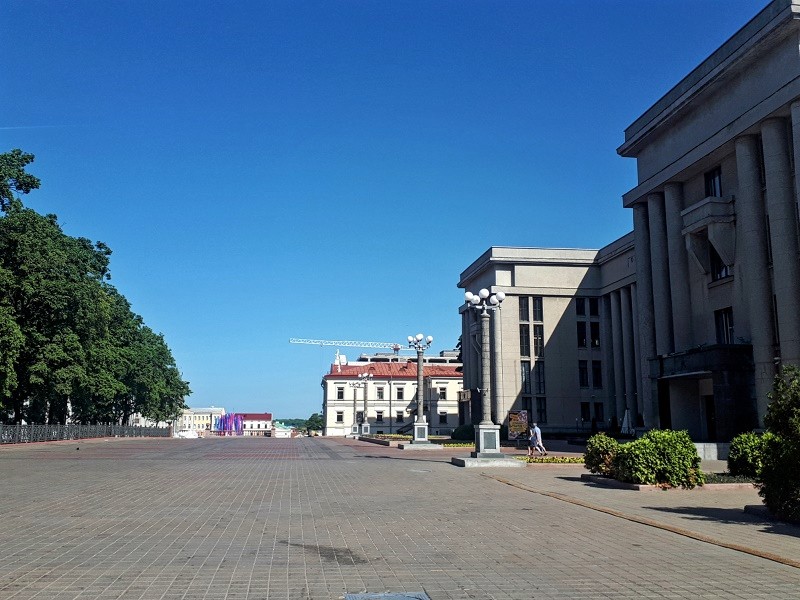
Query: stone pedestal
x=487, y=441
x=420, y=433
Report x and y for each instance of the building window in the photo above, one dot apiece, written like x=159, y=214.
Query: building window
x=541, y=409
x=586, y=412
x=594, y=307
x=599, y=413
x=538, y=312
x=714, y=183
x=380, y=393
x=379, y=416
x=340, y=393
x=594, y=329
x=580, y=307
x=538, y=341
x=583, y=373
x=442, y=393
x=400, y=393
x=442, y=418
x=398, y=417
x=524, y=308
x=581, y=328
x=360, y=416
x=597, y=374
x=719, y=270
x=525, y=340
x=339, y=416
x=525, y=376
x=723, y=319
x=538, y=377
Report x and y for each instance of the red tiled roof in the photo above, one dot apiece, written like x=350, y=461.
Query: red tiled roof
x=257, y=416
x=395, y=370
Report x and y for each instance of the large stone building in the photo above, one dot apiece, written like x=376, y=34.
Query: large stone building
x=685, y=323
x=386, y=401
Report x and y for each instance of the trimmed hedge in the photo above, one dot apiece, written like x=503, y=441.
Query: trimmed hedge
x=600, y=451
x=746, y=454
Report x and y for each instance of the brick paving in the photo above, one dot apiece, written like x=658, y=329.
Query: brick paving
x=315, y=518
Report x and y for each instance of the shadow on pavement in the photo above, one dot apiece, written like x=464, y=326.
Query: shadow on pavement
x=730, y=515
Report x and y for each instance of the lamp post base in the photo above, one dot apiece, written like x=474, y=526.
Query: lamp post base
x=487, y=441
x=420, y=433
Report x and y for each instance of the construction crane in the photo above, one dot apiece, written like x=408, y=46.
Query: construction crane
x=393, y=345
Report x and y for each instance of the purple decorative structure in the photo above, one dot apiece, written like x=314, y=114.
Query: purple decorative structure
x=230, y=424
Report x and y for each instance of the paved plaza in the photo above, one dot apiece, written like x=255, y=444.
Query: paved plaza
x=257, y=518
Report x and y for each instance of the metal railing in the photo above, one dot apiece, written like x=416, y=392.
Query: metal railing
x=21, y=434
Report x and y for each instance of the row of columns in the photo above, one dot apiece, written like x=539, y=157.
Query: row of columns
x=623, y=338
x=761, y=222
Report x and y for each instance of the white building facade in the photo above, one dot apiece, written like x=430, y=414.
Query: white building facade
x=256, y=424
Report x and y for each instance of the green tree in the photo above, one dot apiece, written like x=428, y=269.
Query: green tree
x=13, y=177
x=315, y=422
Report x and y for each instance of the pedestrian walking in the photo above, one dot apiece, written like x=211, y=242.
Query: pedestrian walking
x=535, y=442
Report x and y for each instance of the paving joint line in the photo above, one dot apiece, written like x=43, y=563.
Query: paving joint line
x=650, y=522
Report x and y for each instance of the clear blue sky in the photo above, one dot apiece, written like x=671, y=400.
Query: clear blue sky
x=273, y=169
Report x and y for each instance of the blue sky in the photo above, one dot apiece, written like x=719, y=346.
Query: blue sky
x=275, y=169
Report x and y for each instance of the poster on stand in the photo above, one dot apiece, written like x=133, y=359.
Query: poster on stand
x=517, y=424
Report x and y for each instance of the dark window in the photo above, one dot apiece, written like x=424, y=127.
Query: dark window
x=538, y=340
x=580, y=306
x=525, y=376
x=599, y=413
x=538, y=312
x=524, y=308
x=597, y=374
x=595, y=332
x=586, y=414
x=581, y=328
x=442, y=418
x=399, y=417
x=538, y=377
x=541, y=409
x=340, y=393
x=583, y=373
x=443, y=393
x=339, y=416
x=400, y=393
x=360, y=416
x=379, y=416
x=380, y=393
x=714, y=183
x=525, y=340
x=719, y=270
x=594, y=307
x=723, y=319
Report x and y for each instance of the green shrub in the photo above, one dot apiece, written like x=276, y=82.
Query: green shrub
x=661, y=456
x=779, y=478
x=746, y=454
x=464, y=432
x=600, y=451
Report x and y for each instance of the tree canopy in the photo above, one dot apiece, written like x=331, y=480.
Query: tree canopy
x=70, y=345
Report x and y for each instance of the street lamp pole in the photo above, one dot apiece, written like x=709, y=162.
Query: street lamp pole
x=487, y=434
x=420, y=343
x=363, y=380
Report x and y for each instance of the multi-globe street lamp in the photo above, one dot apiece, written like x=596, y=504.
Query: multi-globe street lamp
x=487, y=434
x=363, y=427
x=420, y=343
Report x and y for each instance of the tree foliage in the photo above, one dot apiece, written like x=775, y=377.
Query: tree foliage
x=70, y=345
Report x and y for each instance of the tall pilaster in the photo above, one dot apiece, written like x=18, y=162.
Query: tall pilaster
x=752, y=267
x=618, y=356
x=499, y=408
x=660, y=269
x=628, y=353
x=678, y=268
x=782, y=212
x=644, y=298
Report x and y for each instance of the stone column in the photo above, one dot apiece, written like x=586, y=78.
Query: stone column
x=628, y=353
x=644, y=306
x=498, y=405
x=783, y=233
x=619, y=357
x=678, y=268
x=751, y=255
x=660, y=269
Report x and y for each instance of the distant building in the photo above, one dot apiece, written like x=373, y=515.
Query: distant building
x=257, y=424
x=390, y=403
x=199, y=419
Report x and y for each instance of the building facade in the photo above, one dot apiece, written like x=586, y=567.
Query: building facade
x=683, y=323
x=386, y=402
x=199, y=419
x=256, y=424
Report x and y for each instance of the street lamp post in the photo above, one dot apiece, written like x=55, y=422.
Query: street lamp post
x=487, y=434
x=363, y=427
x=420, y=343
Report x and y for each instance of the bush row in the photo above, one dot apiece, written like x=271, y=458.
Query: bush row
x=659, y=457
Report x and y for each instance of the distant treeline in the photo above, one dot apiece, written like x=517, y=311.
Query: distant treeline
x=70, y=346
